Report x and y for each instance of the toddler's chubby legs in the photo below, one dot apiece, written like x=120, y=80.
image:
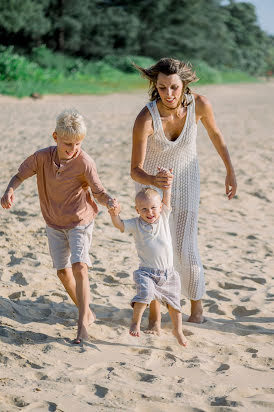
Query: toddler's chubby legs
x=138, y=310
x=176, y=318
x=154, y=320
x=76, y=283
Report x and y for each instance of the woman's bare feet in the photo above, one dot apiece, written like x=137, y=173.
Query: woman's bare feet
x=134, y=330
x=196, y=315
x=180, y=337
x=154, y=328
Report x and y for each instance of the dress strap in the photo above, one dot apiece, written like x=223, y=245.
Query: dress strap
x=155, y=116
x=191, y=107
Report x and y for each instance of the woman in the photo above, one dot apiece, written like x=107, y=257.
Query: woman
x=164, y=135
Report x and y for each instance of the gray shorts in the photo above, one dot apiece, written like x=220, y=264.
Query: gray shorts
x=68, y=246
x=155, y=284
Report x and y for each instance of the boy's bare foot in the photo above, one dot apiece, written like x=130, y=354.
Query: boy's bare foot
x=91, y=317
x=134, y=330
x=82, y=333
x=154, y=328
x=180, y=337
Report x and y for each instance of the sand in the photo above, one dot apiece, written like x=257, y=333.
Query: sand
x=228, y=364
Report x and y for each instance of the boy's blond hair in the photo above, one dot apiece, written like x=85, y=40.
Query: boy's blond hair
x=146, y=193
x=70, y=123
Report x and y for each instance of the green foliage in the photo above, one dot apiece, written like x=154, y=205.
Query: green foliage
x=46, y=58
x=15, y=67
x=27, y=16
x=114, y=30
x=206, y=74
x=21, y=77
x=125, y=63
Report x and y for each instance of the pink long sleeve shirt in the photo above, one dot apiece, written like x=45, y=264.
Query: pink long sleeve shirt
x=63, y=191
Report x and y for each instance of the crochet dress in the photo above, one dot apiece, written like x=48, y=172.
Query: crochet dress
x=181, y=156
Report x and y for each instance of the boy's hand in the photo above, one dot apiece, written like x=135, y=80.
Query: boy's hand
x=114, y=208
x=164, y=178
x=7, y=199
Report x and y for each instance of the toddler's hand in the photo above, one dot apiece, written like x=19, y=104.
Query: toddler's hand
x=114, y=208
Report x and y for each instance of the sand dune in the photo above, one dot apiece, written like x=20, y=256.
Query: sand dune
x=228, y=364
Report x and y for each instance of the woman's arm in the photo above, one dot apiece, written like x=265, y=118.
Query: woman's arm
x=204, y=112
x=142, y=129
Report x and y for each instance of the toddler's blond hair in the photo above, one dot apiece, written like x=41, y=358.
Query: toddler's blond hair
x=70, y=123
x=146, y=193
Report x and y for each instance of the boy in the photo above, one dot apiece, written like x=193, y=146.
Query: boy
x=64, y=172
x=156, y=279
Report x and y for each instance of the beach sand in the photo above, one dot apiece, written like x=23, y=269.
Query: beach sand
x=228, y=363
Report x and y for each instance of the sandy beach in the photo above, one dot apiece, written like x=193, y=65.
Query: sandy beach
x=228, y=363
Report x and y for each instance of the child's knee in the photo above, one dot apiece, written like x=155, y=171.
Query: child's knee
x=62, y=273
x=80, y=269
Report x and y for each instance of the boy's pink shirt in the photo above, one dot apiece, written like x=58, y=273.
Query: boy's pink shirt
x=63, y=191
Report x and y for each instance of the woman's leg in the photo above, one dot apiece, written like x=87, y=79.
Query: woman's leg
x=187, y=260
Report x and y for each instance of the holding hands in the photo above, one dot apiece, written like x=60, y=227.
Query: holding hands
x=114, y=208
x=163, y=178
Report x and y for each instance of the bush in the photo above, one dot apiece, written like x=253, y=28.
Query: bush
x=205, y=73
x=16, y=67
x=125, y=63
x=48, y=59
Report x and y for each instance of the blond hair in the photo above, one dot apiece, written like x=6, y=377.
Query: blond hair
x=70, y=123
x=169, y=66
x=146, y=193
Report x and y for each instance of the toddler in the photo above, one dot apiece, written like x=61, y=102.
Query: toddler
x=156, y=280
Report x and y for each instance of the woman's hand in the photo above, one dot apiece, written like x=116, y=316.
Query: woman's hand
x=230, y=185
x=164, y=178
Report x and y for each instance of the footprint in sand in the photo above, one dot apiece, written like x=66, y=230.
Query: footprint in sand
x=217, y=295
x=101, y=391
x=122, y=275
x=223, y=401
x=227, y=285
x=260, y=281
x=17, y=295
x=214, y=308
x=223, y=367
x=20, y=402
x=240, y=311
x=146, y=377
x=19, y=279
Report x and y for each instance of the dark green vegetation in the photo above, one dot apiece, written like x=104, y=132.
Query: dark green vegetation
x=90, y=44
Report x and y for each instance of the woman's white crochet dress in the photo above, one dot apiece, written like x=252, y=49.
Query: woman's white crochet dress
x=181, y=156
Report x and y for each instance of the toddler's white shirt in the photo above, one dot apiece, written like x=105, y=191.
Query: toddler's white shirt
x=153, y=241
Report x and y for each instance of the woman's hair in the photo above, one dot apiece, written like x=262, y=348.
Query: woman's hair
x=70, y=123
x=168, y=66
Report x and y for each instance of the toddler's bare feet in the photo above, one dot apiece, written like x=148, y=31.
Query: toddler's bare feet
x=180, y=337
x=134, y=330
x=154, y=328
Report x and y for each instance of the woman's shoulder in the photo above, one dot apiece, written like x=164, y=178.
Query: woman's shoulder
x=202, y=103
x=144, y=120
